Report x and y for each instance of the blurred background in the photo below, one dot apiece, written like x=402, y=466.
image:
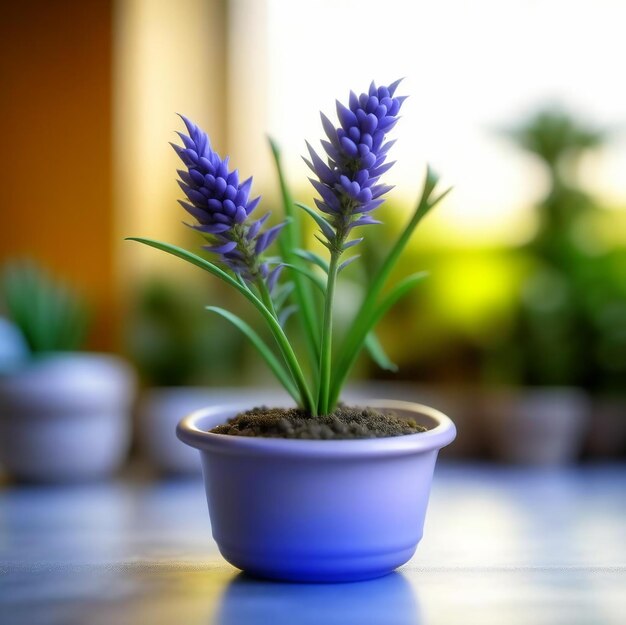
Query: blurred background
x=520, y=331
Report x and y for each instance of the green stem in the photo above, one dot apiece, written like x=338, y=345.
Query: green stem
x=266, y=297
x=327, y=332
x=289, y=356
x=290, y=240
x=424, y=206
x=279, y=335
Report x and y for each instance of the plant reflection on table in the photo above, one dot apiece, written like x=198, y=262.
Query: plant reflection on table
x=248, y=601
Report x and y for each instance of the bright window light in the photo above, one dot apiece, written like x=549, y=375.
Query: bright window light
x=470, y=68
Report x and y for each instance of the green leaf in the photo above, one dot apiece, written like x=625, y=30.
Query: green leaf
x=282, y=293
x=50, y=314
x=312, y=276
x=291, y=239
x=272, y=362
x=430, y=181
x=363, y=326
x=324, y=242
x=197, y=261
x=306, y=399
x=285, y=313
x=378, y=354
x=16, y=297
x=294, y=237
x=325, y=227
x=425, y=204
x=348, y=262
x=314, y=258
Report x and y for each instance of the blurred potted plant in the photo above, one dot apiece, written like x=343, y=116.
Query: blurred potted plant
x=604, y=291
x=347, y=508
x=172, y=346
x=550, y=349
x=64, y=415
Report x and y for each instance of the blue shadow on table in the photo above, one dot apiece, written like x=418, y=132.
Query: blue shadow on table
x=248, y=601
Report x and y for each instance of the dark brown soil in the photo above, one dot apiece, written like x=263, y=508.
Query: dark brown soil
x=345, y=422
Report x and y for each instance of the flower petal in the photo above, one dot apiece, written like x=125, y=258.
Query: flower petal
x=214, y=228
x=319, y=167
x=256, y=226
x=222, y=248
x=267, y=238
x=346, y=117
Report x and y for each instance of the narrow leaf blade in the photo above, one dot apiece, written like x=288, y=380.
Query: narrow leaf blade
x=347, y=263
x=364, y=325
x=291, y=240
x=313, y=277
x=325, y=227
x=266, y=353
x=378, y=354
x=314, y=258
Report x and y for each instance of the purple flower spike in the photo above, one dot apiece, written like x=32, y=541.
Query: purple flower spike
x=356, y=152
x=221, y=205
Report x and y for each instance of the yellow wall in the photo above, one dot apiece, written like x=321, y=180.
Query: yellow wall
x=55, y=128
x=89, y=92
x=168, y=58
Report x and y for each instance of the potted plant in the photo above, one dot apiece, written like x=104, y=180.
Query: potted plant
x=320, y=491
x=170, y=345
x=605, y=312
x=64, y=415
x=565, y=308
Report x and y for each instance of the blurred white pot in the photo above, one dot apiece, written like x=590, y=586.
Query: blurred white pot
x=537, y=426
x=461, y=404
x=161, y=408
x=607, y=435
x=158, y=414
x=66, y=417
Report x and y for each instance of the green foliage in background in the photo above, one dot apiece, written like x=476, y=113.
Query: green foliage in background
x=51, y=315
x=570, y=323
x=171, y=343
x=549, y=312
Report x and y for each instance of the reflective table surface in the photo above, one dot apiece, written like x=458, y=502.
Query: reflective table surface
x=501, y=545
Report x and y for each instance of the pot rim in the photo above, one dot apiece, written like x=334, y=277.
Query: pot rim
x=441, y=433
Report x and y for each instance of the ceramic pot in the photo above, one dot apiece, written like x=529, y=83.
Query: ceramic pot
x=159, y=411
x=317, y=511
x=66, y=417
x=543, y=426
x=607, y=434
x=461, y=404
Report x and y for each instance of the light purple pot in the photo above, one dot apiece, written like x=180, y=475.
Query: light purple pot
x=541, y=426
x=159, y=411
x=318, y=511
x=66, y=417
